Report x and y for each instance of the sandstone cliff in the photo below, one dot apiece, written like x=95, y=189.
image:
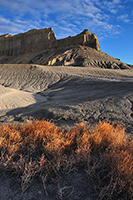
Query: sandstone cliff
x=42, y=47
x=31, y=41
x=43, y=39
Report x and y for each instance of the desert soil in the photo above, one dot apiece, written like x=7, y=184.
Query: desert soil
x=66, y=95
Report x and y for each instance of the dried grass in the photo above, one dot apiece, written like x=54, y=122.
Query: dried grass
x=39, y=148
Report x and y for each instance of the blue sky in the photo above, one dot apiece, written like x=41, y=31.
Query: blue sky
x=110, y=20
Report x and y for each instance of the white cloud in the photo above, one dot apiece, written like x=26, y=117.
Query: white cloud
x=66, y=17
x=114, y=11
x=124, y=18
x=116, y=1
x=16, y=26
x=4, y=21
x=112, y=6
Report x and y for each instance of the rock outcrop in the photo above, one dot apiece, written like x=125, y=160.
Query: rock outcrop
x=42, y=47
x=43, y=39
x=31, y=41
x=83, y=56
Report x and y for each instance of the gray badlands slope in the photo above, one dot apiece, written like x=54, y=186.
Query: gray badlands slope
x=66, y=94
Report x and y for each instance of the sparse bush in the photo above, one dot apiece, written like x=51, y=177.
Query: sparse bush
x=40, y=148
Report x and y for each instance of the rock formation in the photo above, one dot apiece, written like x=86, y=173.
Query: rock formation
x=42, y=47
x=43, y=39
x=31, y=41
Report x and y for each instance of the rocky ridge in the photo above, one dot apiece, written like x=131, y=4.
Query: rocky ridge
x=43, y=39
x=42, y=47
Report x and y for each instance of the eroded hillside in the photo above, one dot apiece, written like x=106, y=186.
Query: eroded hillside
x=42, y=47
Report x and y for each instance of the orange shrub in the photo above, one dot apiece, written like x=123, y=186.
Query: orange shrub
x=40, y=148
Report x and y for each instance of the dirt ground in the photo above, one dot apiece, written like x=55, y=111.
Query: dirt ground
x=66, y=95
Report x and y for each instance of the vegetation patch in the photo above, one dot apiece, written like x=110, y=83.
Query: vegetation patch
x=103, y=154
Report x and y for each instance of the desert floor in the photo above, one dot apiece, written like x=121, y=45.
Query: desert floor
x=66, y=95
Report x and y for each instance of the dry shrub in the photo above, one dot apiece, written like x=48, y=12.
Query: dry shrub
x=39, y=148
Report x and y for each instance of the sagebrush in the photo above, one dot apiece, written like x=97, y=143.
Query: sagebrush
x=41, y=149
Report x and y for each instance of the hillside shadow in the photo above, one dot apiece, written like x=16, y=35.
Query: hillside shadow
x=65, y=96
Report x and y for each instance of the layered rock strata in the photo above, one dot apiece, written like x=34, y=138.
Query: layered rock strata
x=42, y=47
x=43, y=39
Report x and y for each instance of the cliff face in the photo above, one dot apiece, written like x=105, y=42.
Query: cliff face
x=42, y=47
x=85, y=38
x=31, y=41
x=43, y=39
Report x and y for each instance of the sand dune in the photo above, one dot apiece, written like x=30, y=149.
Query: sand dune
x=66, y=94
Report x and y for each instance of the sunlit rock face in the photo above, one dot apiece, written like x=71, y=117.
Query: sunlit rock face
x=31, y=41
x=42, y=47
x=43, y=39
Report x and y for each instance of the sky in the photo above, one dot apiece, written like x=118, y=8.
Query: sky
x=110, y=20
